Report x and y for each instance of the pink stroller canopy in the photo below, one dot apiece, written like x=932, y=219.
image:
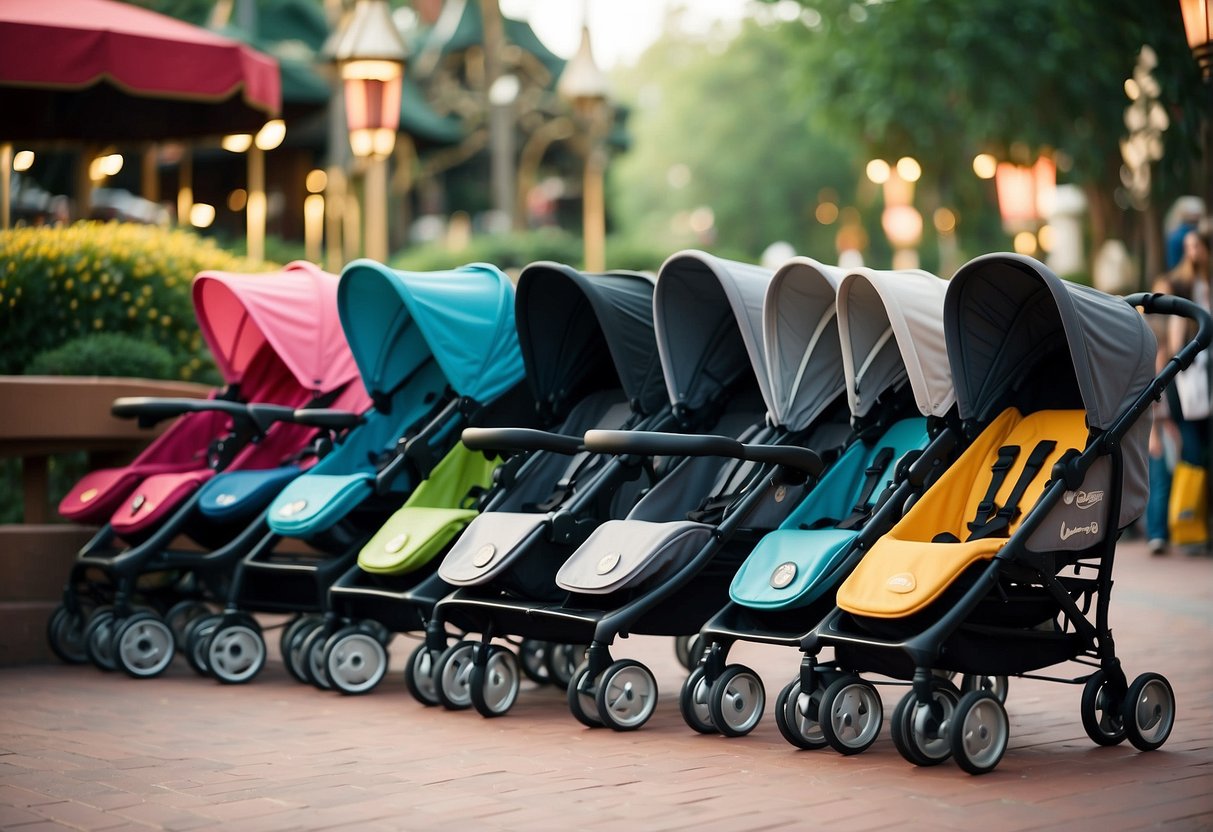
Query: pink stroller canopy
x=294, y=312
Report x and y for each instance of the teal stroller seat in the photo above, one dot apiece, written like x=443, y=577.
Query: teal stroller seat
x=899, y=391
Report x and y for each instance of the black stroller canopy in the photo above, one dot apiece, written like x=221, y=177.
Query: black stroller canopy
x=581, y=332
x=709, y=317
x=1004, y=312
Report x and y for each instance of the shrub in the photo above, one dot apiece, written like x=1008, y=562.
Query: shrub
x=59, y=283
x=505, y=251
x=105, y=354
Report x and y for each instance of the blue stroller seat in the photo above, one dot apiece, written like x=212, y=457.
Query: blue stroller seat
x=811, y=542
x=237, y=494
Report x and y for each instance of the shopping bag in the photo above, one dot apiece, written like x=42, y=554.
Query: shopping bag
x=1193, y=388
x=1189, y=508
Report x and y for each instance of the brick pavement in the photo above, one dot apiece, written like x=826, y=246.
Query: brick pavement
x=80, y=749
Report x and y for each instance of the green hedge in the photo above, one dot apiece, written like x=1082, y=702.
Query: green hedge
x=105, y=354
x=60, y=283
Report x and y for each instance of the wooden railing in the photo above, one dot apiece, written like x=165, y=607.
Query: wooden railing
x=41, y=416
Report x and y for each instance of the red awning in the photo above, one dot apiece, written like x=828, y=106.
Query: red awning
x=105, y=70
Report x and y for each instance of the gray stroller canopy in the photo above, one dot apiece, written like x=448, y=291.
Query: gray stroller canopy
x=891, y=328
x=803, y=355
x=581, y=331
x=1006, y=313
x=708, y=316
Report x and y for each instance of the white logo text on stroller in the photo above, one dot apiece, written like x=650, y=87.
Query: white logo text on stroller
x=1082, y=499
x=1090, y=528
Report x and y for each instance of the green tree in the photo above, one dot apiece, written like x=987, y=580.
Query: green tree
x=945, y=79
x=721, y=123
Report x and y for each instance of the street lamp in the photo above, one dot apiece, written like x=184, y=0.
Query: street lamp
x=371, y=55
x=583, y=84
x=1198, y=26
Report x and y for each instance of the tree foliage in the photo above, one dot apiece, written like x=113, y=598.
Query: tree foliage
x=723, y=124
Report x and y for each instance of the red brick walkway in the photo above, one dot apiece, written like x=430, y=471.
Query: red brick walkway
x=80, y=749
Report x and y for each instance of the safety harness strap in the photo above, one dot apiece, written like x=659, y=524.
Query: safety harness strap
x=1000, y=524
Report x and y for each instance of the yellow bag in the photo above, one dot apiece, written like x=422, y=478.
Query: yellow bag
x=1189, y=504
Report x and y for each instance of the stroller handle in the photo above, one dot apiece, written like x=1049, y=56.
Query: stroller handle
x=1161, y=304
x=325, y=417
x=682, y=444
x=520, y=439
x=150, y=410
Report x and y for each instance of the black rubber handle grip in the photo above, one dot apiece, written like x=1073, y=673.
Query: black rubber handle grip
x=520, y=439
x=682, y=444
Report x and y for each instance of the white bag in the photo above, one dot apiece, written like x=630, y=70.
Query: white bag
x=1192, y=385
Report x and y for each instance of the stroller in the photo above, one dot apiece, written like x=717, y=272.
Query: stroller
x=418, y=340
x=277, y=342
x=893, y=353
x=996, y=569
x=591, y=358
x=709, y=328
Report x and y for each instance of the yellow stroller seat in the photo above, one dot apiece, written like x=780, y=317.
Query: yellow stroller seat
x=959, y=522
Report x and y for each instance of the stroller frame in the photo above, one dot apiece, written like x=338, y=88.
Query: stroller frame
x=932, y=722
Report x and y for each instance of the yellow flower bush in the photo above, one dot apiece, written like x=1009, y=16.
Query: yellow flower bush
x=49, y=279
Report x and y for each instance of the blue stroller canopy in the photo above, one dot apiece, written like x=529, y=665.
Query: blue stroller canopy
x=578, y=329
x=1005, y=313
x=464, y=318
x=708, y=315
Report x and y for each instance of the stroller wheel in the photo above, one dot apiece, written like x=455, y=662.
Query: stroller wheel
x=292, y=645
x=562, y=661
x=996, y=685
x=626, y=696
x=688, y=649
x=1148, y=712
x=737, y=700
x=693, y=702
x=235, y=652
x=1101, y=711
x=143, y=645
x=494, y=685
x=851, y=714
x=419, y=675
x=311, y=660
x=582, y=696
x=355, y=660
x=197, y=632
x=453, y=674
x=374, y=628
x=99, y=638
x=65, y=634
x=181, y=614
x=533, y=655
x=796, y=716
x=920, y=732
x=979, y=731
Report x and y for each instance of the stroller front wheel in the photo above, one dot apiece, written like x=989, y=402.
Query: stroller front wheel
x=979, y=732
x=143, y=645
x=1148, y=712
x=453, y=675
x=494, y=685
x=419, y=675
x=851, y=715
x=693, y=702
x=583, y=698
x=1101, y=712
x=355, y=660
x=627, y=695
x=737, y=700
x=65, y=634
x=99, y=638
x=796, y=716
x=235, y=652
x=533, y=654
x=920, y=731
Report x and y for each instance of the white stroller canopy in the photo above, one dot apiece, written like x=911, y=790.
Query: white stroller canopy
x=891, y=328
x=803, y=356
x=708, y=315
